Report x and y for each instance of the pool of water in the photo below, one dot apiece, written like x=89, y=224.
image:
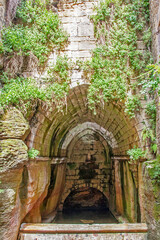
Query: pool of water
x=85, y=216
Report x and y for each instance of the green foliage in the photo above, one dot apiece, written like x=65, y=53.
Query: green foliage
x=116, y=61
x=59, y=73
x=20, y=91
x=38, y=32
x=147, y=133
x=151, y=112
x=33, y=153
x=154, y=169
x=71, y=165
x=59, y=80
x=132, y=105
x=148, y=136
x=23, y=92
x=136, y=153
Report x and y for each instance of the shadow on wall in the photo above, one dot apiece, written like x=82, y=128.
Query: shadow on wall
x=84, y=199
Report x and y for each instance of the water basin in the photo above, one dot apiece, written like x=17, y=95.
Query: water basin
x=85, y=217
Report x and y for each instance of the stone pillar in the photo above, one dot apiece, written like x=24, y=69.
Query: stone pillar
x=54, y=199
x=118, y=189
x=129, y=194
x=141, y=191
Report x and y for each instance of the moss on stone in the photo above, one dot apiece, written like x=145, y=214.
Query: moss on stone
x=71, y=165
x=13, y=152
x=13, y=124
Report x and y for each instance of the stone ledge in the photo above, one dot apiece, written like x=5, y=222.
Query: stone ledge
x=52, y=160
x=83, y=228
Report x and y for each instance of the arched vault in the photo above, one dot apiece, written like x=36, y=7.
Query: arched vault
x=51, y=131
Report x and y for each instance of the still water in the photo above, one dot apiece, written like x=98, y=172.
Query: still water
x=85, y=216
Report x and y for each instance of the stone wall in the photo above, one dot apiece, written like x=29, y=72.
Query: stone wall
x=155, y=26
x=2, y=13
x=54, y=134
x=151, y=191
x=89, y=166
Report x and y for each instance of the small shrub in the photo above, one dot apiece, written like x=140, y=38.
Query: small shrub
x=33, y=153
x=154, y=169
x=135, y=153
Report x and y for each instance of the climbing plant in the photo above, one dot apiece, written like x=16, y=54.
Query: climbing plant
x=37, y=30
x=154, y=169
x=24, y=92
x=117, y=63
x=121, y=68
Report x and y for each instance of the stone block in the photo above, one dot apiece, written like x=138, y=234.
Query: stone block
x=13, y=153
x=72, y=46
x=13, y=125
x=86, y=45
x=71, y=29
x=81, y=54
x=85, y=30
x=76, y=74
x=69, y=19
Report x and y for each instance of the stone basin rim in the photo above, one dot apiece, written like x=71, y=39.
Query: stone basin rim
x=83, y=228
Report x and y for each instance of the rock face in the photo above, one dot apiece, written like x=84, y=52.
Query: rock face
x=152, y=205
x=13, y=157
x=13, y=153
x=13, y=125
x=24, y=183
x=86, y=198
x=34, y=189
x=10, y=204
x=11, y=10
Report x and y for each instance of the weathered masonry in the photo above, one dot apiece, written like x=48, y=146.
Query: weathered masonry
x=110, y=232
x=80, y=152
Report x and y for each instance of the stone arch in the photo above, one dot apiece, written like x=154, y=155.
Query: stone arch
x=83, y=133
x=89, y=126
x=54, y=133
x=83, y=173
x=90, y=189
x=48, y=124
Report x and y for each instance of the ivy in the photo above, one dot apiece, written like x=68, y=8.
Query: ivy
x=38, y=31
x=135, y=154
x=116, y=62
x=24, y=92
x=20, y=91
x=154, y=169
x=132, y=104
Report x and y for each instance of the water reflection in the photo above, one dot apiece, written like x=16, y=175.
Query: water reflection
x=85, y=216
